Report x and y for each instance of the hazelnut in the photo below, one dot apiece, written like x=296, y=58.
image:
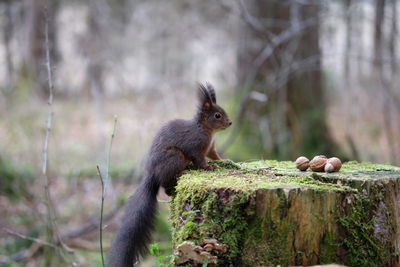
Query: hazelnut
x=329, y=167
x=302, y=163
x=317, y=164
x=333, y=165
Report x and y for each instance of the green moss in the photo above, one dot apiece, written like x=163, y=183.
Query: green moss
x=255, y=175
x=220, y=214
x=354, y=166
x=214, y=205
x=288, y=167
x=363, y=248
x=267, y=241
x=226, y=164
x=223, y=204
x=329, y=247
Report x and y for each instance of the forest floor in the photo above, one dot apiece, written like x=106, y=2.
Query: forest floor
x=80, y=138
x=79, y=141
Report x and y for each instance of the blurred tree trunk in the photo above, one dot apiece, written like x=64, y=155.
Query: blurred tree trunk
x=394, y=69
x=94, y=50
x=378, y=33
x=348, y=46
x=393, y=34
x=290, y=76
x=349, y=74
x=93, y=45
x=8, y=30
x=306, y=94
x=35, y=55
x=384, y=75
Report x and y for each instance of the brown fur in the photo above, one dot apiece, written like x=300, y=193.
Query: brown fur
x=177, y=142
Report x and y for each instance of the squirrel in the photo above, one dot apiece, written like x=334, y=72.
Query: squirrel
x=177, y=143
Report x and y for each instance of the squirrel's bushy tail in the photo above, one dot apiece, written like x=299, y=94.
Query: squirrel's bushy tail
x=135, y=232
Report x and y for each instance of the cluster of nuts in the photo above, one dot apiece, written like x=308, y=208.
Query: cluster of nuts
x=319, y=164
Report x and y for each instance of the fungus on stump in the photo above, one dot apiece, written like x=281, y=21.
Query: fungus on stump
x=268, y=213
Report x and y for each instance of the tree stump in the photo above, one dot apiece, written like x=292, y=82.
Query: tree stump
x=268, y=213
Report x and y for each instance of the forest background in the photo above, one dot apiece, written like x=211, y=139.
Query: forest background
x=298, y=77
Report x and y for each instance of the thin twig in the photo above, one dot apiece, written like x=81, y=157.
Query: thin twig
x=49, y=103
x=101, y=216
x=48, y=200
x=51, y=213
x=268, y=51
x=16, y=257
x=103, y=189
x=250, y=20
x=90, y=226
x=109, y=149
x=36, y=240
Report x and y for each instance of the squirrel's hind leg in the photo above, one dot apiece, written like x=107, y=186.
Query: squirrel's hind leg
x=173, y=166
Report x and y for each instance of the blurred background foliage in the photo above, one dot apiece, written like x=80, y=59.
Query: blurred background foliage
x=298, y=77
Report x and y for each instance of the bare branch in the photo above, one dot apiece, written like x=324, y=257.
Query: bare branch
x=103, y=190
x=249, y=19
x=21, y=255
x=109, y=149
x=39, y=241
x=294, y=30
x=48, y=201
x=276, y=41
x=90, y=226
x=101, y=216
x=51, y=213
x=49, y=101
x=300, y=66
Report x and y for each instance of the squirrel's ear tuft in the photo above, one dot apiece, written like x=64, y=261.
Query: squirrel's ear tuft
x=204, y=97
x=211, y=91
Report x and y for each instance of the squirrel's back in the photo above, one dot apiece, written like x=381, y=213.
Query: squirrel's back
x=181, y=134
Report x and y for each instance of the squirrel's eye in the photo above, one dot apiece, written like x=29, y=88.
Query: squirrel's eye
x=217, y=115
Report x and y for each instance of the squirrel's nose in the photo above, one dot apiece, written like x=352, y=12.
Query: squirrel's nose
x=230, y=123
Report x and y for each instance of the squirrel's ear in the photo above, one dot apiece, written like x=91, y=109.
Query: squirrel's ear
x=205, y=99
x=211, y=91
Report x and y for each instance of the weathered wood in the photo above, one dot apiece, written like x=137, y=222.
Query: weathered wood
x=268, y=213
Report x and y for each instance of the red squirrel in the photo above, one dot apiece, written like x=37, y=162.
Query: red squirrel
x=177, y=143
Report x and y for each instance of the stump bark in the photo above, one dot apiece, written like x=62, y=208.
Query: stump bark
x=267, y=213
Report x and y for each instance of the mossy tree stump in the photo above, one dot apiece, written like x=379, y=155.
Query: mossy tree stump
x=269, y=213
